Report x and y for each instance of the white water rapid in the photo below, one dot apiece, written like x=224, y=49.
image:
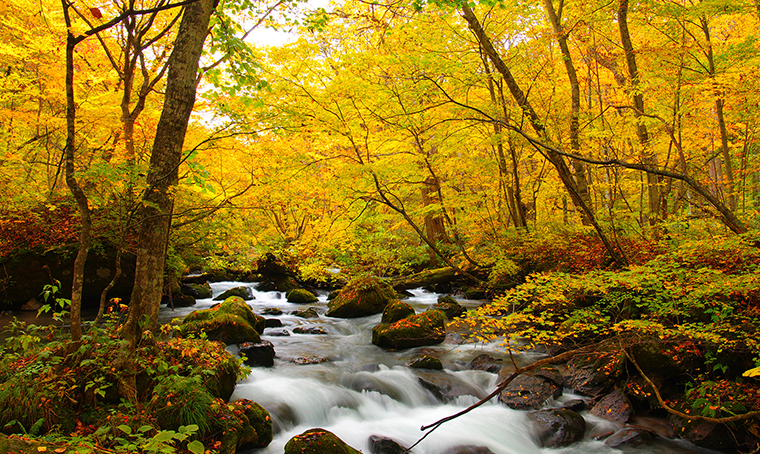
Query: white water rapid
x=362, y=390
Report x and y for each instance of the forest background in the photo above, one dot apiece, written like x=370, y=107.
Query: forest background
x=503, y=140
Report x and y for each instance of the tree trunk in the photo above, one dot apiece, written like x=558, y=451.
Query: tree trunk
x=653, y=181
x=575, y=94
x=156, y=211
x=85, y=221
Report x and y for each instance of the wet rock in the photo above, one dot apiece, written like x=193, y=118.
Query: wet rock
x=231, y=322
x=557, y=428
x=311, y=359
x=318, y=441
x=657, y=426
x=318, y=330
x=279, y=333
x=272, y=311
x=709, y=435
x=260, y=354
x=446, y=387
x=361, y=297
x=242, y=292
x=449, y=306
x=529, y=392
x=425, y=362
x=487, y=363
x=468, y=449
x=306, y=313
x=592, y=375
x=244, y=425
x=629, y=436
x=428, y=328
x=301, y=296
x=550, y=373
x=273, y=323
x=276, y=274
x=198, y=291
x=575, y=405
x=396, y=310
x=613, y=407
x=384, y=445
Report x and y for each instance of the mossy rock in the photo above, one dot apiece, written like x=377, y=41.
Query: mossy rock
x=449, y=306
x=242, y=292
x=244, y=425
x=202, y=291
x=425, y=362
x=231, y=322
x=427, y=328
x=362, y=297
x=301, y=296
x=395, y=311
x=318, y=441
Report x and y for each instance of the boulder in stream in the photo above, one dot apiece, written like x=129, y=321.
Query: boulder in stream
x=592, y=375
x=425, y=362
x=385, y=445
x=557, y=428
x=427, y=328
x=449, y=306
x=318, y=441
x=242, y=292
x=259, y=354
x=529, y=392
x=244, y=425
x=395, y=311
x=198, y=291
x=613, y=407
x=318, y=330
x=301, y=296
x=361, y=297
x=306, y=313
x=468, y=449
x=231, y=322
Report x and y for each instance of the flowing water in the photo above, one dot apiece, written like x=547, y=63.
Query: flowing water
x=361, y=390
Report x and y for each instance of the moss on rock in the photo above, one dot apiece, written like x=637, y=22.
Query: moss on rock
x=427, y=328
x=318, y=441
x=301, y=296
x=231, y=322
x=362, y=297
x=396, y=310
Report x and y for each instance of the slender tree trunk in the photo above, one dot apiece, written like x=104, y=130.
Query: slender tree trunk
x=76, y=190
x=156, y=211
x=648, y=158
x=575, y=94
x=728, y=167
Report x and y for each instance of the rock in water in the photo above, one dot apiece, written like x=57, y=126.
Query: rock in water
x=557, y=428
x=318, y=441
x=301, y=296
x=427, y=328
x=231, y=322
x=259, y=354
x=360, y=298
x=242, y=292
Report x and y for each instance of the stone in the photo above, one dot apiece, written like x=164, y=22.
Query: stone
x=318, y=441
x=306, y=313
x=197, y=291
x=529, y=392
x=259, y=354
x=449, y=306
x=468, y=449
x=592, y=375
x=427, y=328
x=557, y=428
x=446, y=387
x=425, y=362
x=310, y=359
x=244, y=425
x=242, y=292
x=384, y=445
x=272, y=311
x=231, y=322
x=310, y=330
x=276, y=274
x=485, y=362
x=273, y=323
x=396, y=310
x=279, y=333
x=360, y=298
x=629, y=436
x=613, y=407
x=301, y=296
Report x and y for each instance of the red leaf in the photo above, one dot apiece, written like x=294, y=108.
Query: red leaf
x=96, y=12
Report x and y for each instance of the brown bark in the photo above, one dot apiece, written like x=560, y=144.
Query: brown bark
x=156, y=211
x=71, y=181
x=653, y=181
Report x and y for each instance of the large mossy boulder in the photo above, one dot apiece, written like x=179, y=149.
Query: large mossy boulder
x=361, y=297
x=396, y=310
x=301, y=296
x=427, y=328
x=231, y=322
x=244, y=425
x=318, y=441
x=198, y=291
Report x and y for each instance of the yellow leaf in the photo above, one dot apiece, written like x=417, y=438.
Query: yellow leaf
x=41, y=449
x=752, y=372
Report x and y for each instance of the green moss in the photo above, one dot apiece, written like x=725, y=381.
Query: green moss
x=231, y=322
x=427, y=328
x=301, y=296
x=361, y=297
x=396, y=311
x=318, y=441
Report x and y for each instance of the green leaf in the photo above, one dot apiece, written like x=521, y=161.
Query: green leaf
x=196, y=447
x=164, y=435
x=124, y=428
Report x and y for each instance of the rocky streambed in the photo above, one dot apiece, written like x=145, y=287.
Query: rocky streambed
x=312, y=370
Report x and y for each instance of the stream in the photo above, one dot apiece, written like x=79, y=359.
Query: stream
x=361, y=390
